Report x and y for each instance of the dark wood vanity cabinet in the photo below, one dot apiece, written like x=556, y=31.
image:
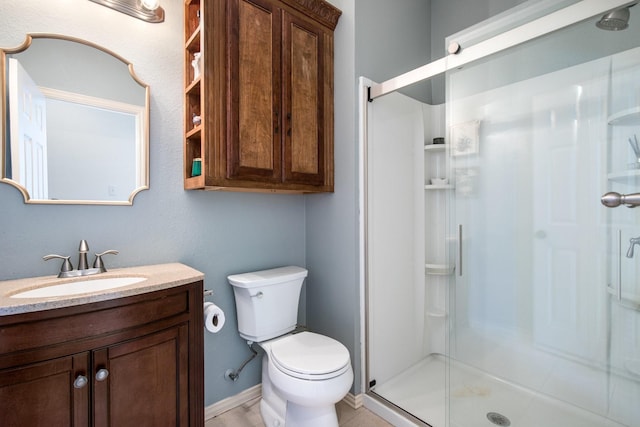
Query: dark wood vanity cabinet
x=135, y=361
x=265, y=95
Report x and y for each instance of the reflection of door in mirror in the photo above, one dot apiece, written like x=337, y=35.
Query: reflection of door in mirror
x=28, y=132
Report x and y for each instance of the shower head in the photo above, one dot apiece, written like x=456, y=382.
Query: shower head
x=615, y=20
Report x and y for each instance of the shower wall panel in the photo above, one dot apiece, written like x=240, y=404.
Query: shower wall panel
x=395, y=238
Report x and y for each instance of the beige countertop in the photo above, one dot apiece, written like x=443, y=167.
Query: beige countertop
x=158, y=277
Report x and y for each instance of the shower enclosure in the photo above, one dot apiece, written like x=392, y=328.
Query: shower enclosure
x=499, y=290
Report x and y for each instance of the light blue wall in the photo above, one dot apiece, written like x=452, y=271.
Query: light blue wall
x=216, y=233
x=451, y=16
x=332, y=219
x=393, y=37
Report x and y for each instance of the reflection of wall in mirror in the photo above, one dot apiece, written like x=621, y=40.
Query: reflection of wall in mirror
x=94, y=156
x=78, y=68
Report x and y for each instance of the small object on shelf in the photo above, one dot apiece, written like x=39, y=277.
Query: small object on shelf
x=196, y=119
x=439, y=181
x=196, y=64
x=196, y=167
x=439, y=140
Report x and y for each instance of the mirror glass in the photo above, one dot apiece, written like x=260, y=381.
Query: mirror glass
x=76, y=123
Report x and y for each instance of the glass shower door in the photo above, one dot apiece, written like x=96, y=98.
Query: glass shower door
x=540, y=334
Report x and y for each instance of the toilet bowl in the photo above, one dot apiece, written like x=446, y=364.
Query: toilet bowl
x=303, y=374
x=308, y=373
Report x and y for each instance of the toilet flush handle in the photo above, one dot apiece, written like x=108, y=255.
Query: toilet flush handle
x=258, y=295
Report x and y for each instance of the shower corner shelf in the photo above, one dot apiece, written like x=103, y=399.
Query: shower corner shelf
x=629, y=117
x=626, y=176
x=628, y=299
x=439, y=269
x=435, y=147
x=436, y=313
x=438, y=187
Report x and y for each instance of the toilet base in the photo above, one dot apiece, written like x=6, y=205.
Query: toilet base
x=298, y=416
x=304, y=416
x=270, y=415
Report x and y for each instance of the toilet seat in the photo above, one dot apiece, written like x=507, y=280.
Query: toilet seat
x=309, y=356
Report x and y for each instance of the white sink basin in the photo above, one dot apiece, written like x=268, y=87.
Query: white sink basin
x=79, y=287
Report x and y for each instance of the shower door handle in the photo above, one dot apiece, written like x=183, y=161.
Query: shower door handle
x=613, y=200
x=616, y=290
x=619, y=282
x=460, y=250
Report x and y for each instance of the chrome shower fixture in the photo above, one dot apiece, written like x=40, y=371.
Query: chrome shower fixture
x=146, y=10
x=615, y=20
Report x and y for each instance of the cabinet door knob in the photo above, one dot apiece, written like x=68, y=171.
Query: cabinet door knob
x=80, y=382
x=102, y=374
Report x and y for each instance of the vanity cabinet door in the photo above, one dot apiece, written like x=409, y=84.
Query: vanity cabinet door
x=143, y=382
x=53, y=393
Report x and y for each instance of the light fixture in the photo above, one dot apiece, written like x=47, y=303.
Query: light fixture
x=150, y=4
x=147, y=10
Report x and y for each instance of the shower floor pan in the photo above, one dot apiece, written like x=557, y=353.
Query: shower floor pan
x=476, y=397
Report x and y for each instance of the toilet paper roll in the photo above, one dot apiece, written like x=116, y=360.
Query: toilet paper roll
x=213, y=317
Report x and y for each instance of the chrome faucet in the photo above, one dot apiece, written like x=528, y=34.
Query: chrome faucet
x=632, y=243
x=66, y=270
x=82, y=255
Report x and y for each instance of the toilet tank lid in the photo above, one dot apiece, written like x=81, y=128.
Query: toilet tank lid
x=267, y=277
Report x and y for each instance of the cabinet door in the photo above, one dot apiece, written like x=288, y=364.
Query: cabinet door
x=253, y=142
x=43, y=394
x=303, y=77
x=147, y=382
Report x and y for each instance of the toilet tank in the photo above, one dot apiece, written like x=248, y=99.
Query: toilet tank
x=267, y=301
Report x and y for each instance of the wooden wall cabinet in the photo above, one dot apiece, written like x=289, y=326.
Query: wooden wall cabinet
x=264, y=93
x=134, y=361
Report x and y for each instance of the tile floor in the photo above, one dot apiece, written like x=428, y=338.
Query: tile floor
x=248, y=415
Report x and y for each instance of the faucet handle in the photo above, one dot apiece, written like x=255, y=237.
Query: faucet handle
x=98, y=261
x=66, y=264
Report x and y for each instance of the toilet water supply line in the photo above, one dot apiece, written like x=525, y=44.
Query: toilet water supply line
x=234, y=374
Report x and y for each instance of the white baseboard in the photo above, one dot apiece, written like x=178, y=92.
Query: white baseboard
x=354, y=401
x=231, y=402
x=224, y=405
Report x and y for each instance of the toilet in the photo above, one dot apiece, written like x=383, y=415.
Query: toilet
x=304, y=374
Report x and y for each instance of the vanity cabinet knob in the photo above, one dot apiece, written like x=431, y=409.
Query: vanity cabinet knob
x=102, y=374
x=80, y=382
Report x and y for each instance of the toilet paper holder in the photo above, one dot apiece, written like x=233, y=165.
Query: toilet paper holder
x=207, y=292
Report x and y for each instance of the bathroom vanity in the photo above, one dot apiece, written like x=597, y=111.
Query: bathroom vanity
x=128, y=356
